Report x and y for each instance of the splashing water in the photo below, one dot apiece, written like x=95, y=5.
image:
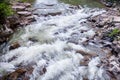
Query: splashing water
x=55, y=45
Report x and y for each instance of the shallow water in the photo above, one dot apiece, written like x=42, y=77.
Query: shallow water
x=54, y=46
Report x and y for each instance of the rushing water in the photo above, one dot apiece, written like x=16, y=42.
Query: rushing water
x=52, y=42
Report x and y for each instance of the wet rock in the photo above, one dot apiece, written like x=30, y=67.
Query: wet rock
x=15, y=75
x=53, y=14
x=31, y=18
x=26, y=20
x=14, y=46
x=49, y=4
x=84, y=53
x=85, y=61
x=43, y=71
x=33, y=39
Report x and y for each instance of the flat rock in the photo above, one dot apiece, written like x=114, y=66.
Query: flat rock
x=18, y=7
x=24, y=13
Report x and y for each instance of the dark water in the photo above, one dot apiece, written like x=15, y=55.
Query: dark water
x=89, y=3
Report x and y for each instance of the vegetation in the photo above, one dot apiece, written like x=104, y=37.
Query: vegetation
x=5, y=10
x=114, y=32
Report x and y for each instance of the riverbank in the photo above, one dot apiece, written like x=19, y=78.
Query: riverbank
x=22, y=16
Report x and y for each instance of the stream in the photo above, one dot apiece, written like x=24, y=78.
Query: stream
x=53, y=47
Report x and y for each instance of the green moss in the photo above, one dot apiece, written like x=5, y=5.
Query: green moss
x=5, y=10
x=114, y=32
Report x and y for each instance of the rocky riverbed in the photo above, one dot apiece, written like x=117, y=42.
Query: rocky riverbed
x=64, y=43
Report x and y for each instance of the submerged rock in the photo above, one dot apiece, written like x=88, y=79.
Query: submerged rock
x=14, y=46
x=15, y=75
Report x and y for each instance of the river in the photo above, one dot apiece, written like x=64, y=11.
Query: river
x=51, y=45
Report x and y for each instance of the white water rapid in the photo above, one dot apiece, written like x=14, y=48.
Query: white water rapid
x=53, y=42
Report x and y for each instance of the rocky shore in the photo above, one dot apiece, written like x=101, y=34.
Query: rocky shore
x=22, y=16
x=107, y=26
